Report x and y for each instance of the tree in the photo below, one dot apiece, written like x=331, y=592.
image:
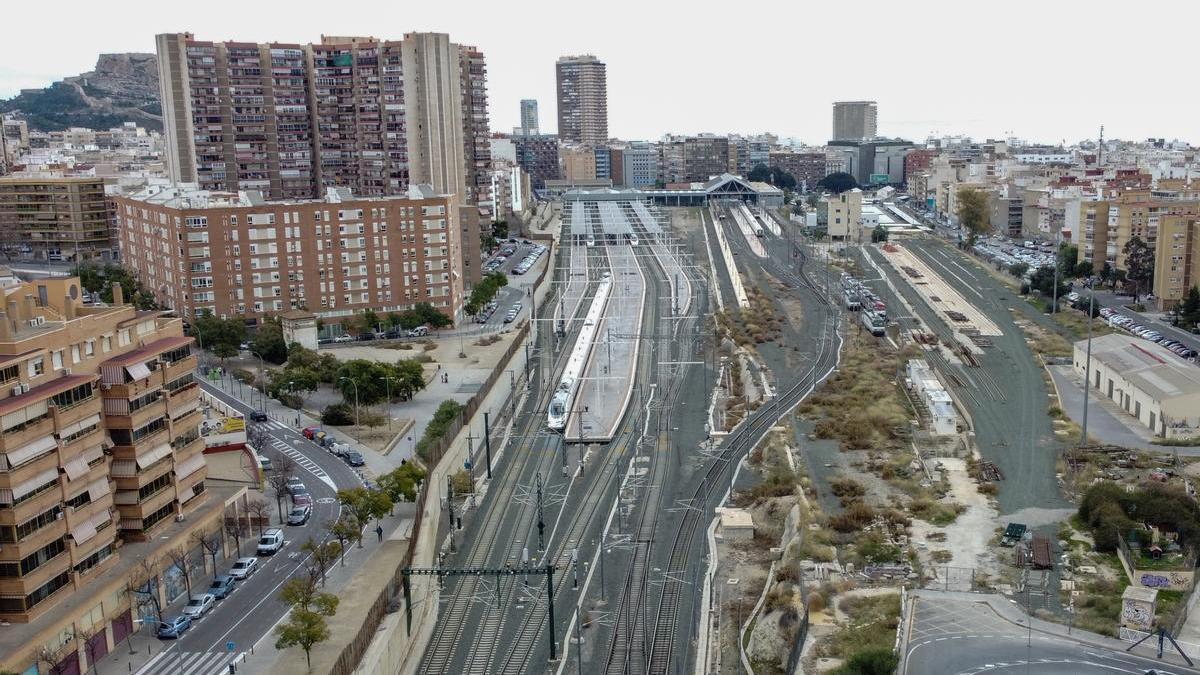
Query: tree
x=293, y=384
x=259, y=511
x=364, y=505
x=211, y=331
x=879, y=234
x=304, y=629
x=1107, y=273
x=210, y=541
x=1139, y=265
x=85, y=635
x=500, y=229
x=400, y=484
x=268, y=341
x=224, y=351
x=1042, y=281
x=760, y=174
x=1018, y=269
x=344, y=529
x=1188, y=311
x=973, y=213
x=838, y=182
x=283, y=469
x=430, y=315
x=141, y=589
x=235, y=527
x=181, y=561
x=323, y=555
x=368, y=321
x=338, y=415
x=782, y=179
x=484, y=291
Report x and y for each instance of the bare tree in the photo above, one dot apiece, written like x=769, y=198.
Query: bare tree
x=284, y=468
x=343, y=529
x=85, y=636
x=235, y=527
x=183, y=562
x=141, y=588
x=324, y=554
x=210, y=541
x=260, y=512
x=56, y=658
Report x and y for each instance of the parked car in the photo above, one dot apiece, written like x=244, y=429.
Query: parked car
x=299, y=515
x=353, y=458
x=258, y=416
x=243, y=568
x=294, y=482
x=270, y=542
x=173, y=628
x=419, y=331
x=309, y=432
x=198, y=605
x=301, y=496
x=265, y=463
x=344, y=337
x=366, y=337
x=221, y=586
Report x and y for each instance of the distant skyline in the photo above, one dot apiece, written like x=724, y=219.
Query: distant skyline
x=1045, y=72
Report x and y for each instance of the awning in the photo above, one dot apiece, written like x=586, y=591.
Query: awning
x=189, y=466
x=87, y=529
x=153, y=456
x=93, y=453
x=98, y=488
x=76, y=468
x=34, y=483
x=79, y=426
x=181, y=410
x=124, y=468
x=138, y=371
x=25, y=453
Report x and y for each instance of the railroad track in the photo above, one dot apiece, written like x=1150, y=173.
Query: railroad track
x=665, y=632
x=452, y=620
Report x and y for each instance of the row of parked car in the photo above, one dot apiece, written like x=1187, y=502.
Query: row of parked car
x=1124, y=322
x=342, y=450
x=222, y=586
x=393, y=334
x=530, y=260
x=486, y=313
x=1009, y=253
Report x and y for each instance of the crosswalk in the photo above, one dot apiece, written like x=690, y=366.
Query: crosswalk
x=303, y=462
x=191, y=663
x=272, y=424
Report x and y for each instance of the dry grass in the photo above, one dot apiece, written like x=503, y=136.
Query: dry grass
x=861, y=405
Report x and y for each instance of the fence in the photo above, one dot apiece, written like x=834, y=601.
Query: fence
x=793, y=665
x=387, y=600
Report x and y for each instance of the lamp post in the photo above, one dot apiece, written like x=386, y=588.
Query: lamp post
x=262, y=374
x=355, y=383
x=387, y=385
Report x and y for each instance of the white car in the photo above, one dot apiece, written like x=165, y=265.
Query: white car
x=198, y=605
x=243, y=568
x=344, y=337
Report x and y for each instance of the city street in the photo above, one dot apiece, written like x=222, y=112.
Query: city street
x=252, y=609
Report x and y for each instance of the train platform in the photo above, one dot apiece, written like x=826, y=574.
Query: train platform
x=574, y=289
x=681, y=286
x=607, y=385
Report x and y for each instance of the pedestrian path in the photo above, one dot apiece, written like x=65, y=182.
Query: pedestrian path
x=191, y=663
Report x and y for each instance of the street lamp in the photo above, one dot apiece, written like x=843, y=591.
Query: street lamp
x=387, y=384
x=262, y=373
x=355, y=383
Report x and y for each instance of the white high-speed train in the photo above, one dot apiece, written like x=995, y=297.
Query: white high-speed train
x=568, y=386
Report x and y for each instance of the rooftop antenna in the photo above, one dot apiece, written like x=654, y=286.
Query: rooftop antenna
x=1100, y=148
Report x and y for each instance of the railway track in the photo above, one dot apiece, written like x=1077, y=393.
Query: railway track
x=452, y=620
x=665, y=633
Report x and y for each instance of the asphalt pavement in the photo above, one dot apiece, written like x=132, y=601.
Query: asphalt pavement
x=955, y=633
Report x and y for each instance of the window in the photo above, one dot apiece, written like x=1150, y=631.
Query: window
x=95, y=558
x=37, y=367
x=106, y=343
x=154, y=487
x=89, y=348
x=38, y=522
x=73, y=397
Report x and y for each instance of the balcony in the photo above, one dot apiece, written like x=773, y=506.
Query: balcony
x=29, y=470
x=138, y=418
x=28, y=583
x=13, y=440
x=34, y=542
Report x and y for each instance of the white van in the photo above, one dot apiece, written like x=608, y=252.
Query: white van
x=270, y=542
x=419, y=331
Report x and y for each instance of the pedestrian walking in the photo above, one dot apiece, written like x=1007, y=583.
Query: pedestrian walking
x=379, y=532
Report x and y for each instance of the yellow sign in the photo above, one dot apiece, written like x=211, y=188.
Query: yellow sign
x=233, y=424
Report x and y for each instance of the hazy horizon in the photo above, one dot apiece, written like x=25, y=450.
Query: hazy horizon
x=934, y=67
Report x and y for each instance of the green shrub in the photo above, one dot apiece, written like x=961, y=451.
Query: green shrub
x=872, y=661
x=337, y=415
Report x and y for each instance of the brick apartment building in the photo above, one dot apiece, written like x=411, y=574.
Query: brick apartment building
x=64, y=217
x=291, y=120
x=239, y=255
x=808, y=168
x=101, y=465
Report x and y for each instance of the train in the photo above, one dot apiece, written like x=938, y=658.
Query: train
x=568, y=386
x=874, y=322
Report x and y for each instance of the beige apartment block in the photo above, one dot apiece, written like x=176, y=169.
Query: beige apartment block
x=239, y=255
x=64, y=217
x=845, y=215
x=1176, y=259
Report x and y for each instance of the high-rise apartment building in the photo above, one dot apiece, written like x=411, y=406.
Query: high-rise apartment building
x=538, y=156
x=705, y=157
x=1103, y=227
x=582, y=99
x=290, y=120
x=237, y=255
x=1176, y=259
x=63, y=218
x=855, y=120
x=529, y=116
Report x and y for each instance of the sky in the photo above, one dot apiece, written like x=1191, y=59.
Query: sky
x=1049, y=71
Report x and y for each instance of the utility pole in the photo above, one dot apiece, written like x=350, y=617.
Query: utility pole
x=471, y=454
x=487, y=444
x=1087, y=370
x=541, y=524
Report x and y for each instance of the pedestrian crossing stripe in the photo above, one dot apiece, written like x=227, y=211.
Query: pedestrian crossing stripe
x=192, y=663
x=303, y=462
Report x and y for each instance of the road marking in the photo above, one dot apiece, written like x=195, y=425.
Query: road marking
x=304, y=462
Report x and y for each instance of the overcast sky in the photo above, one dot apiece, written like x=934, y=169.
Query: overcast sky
x=1047, y=70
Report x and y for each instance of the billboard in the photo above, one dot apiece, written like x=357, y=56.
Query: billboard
x=879, y=179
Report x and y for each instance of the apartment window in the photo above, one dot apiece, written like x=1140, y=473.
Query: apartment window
x=153, y=519
x=37, y=367
x=82, y=499
x=89, y=348
x=154, y=487
x=10, y=373
x=96, y=558
x=38, y=522
x=73, y=397
x=106, y=343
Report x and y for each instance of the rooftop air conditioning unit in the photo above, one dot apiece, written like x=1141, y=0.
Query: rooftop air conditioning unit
x=17, y=390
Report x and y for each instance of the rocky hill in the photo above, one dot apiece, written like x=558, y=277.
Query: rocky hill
x=122, y=88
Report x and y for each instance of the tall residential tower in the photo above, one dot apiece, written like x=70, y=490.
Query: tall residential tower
x=529, y=117
x=855, y=120
x=290, y=120
x=582, y=99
